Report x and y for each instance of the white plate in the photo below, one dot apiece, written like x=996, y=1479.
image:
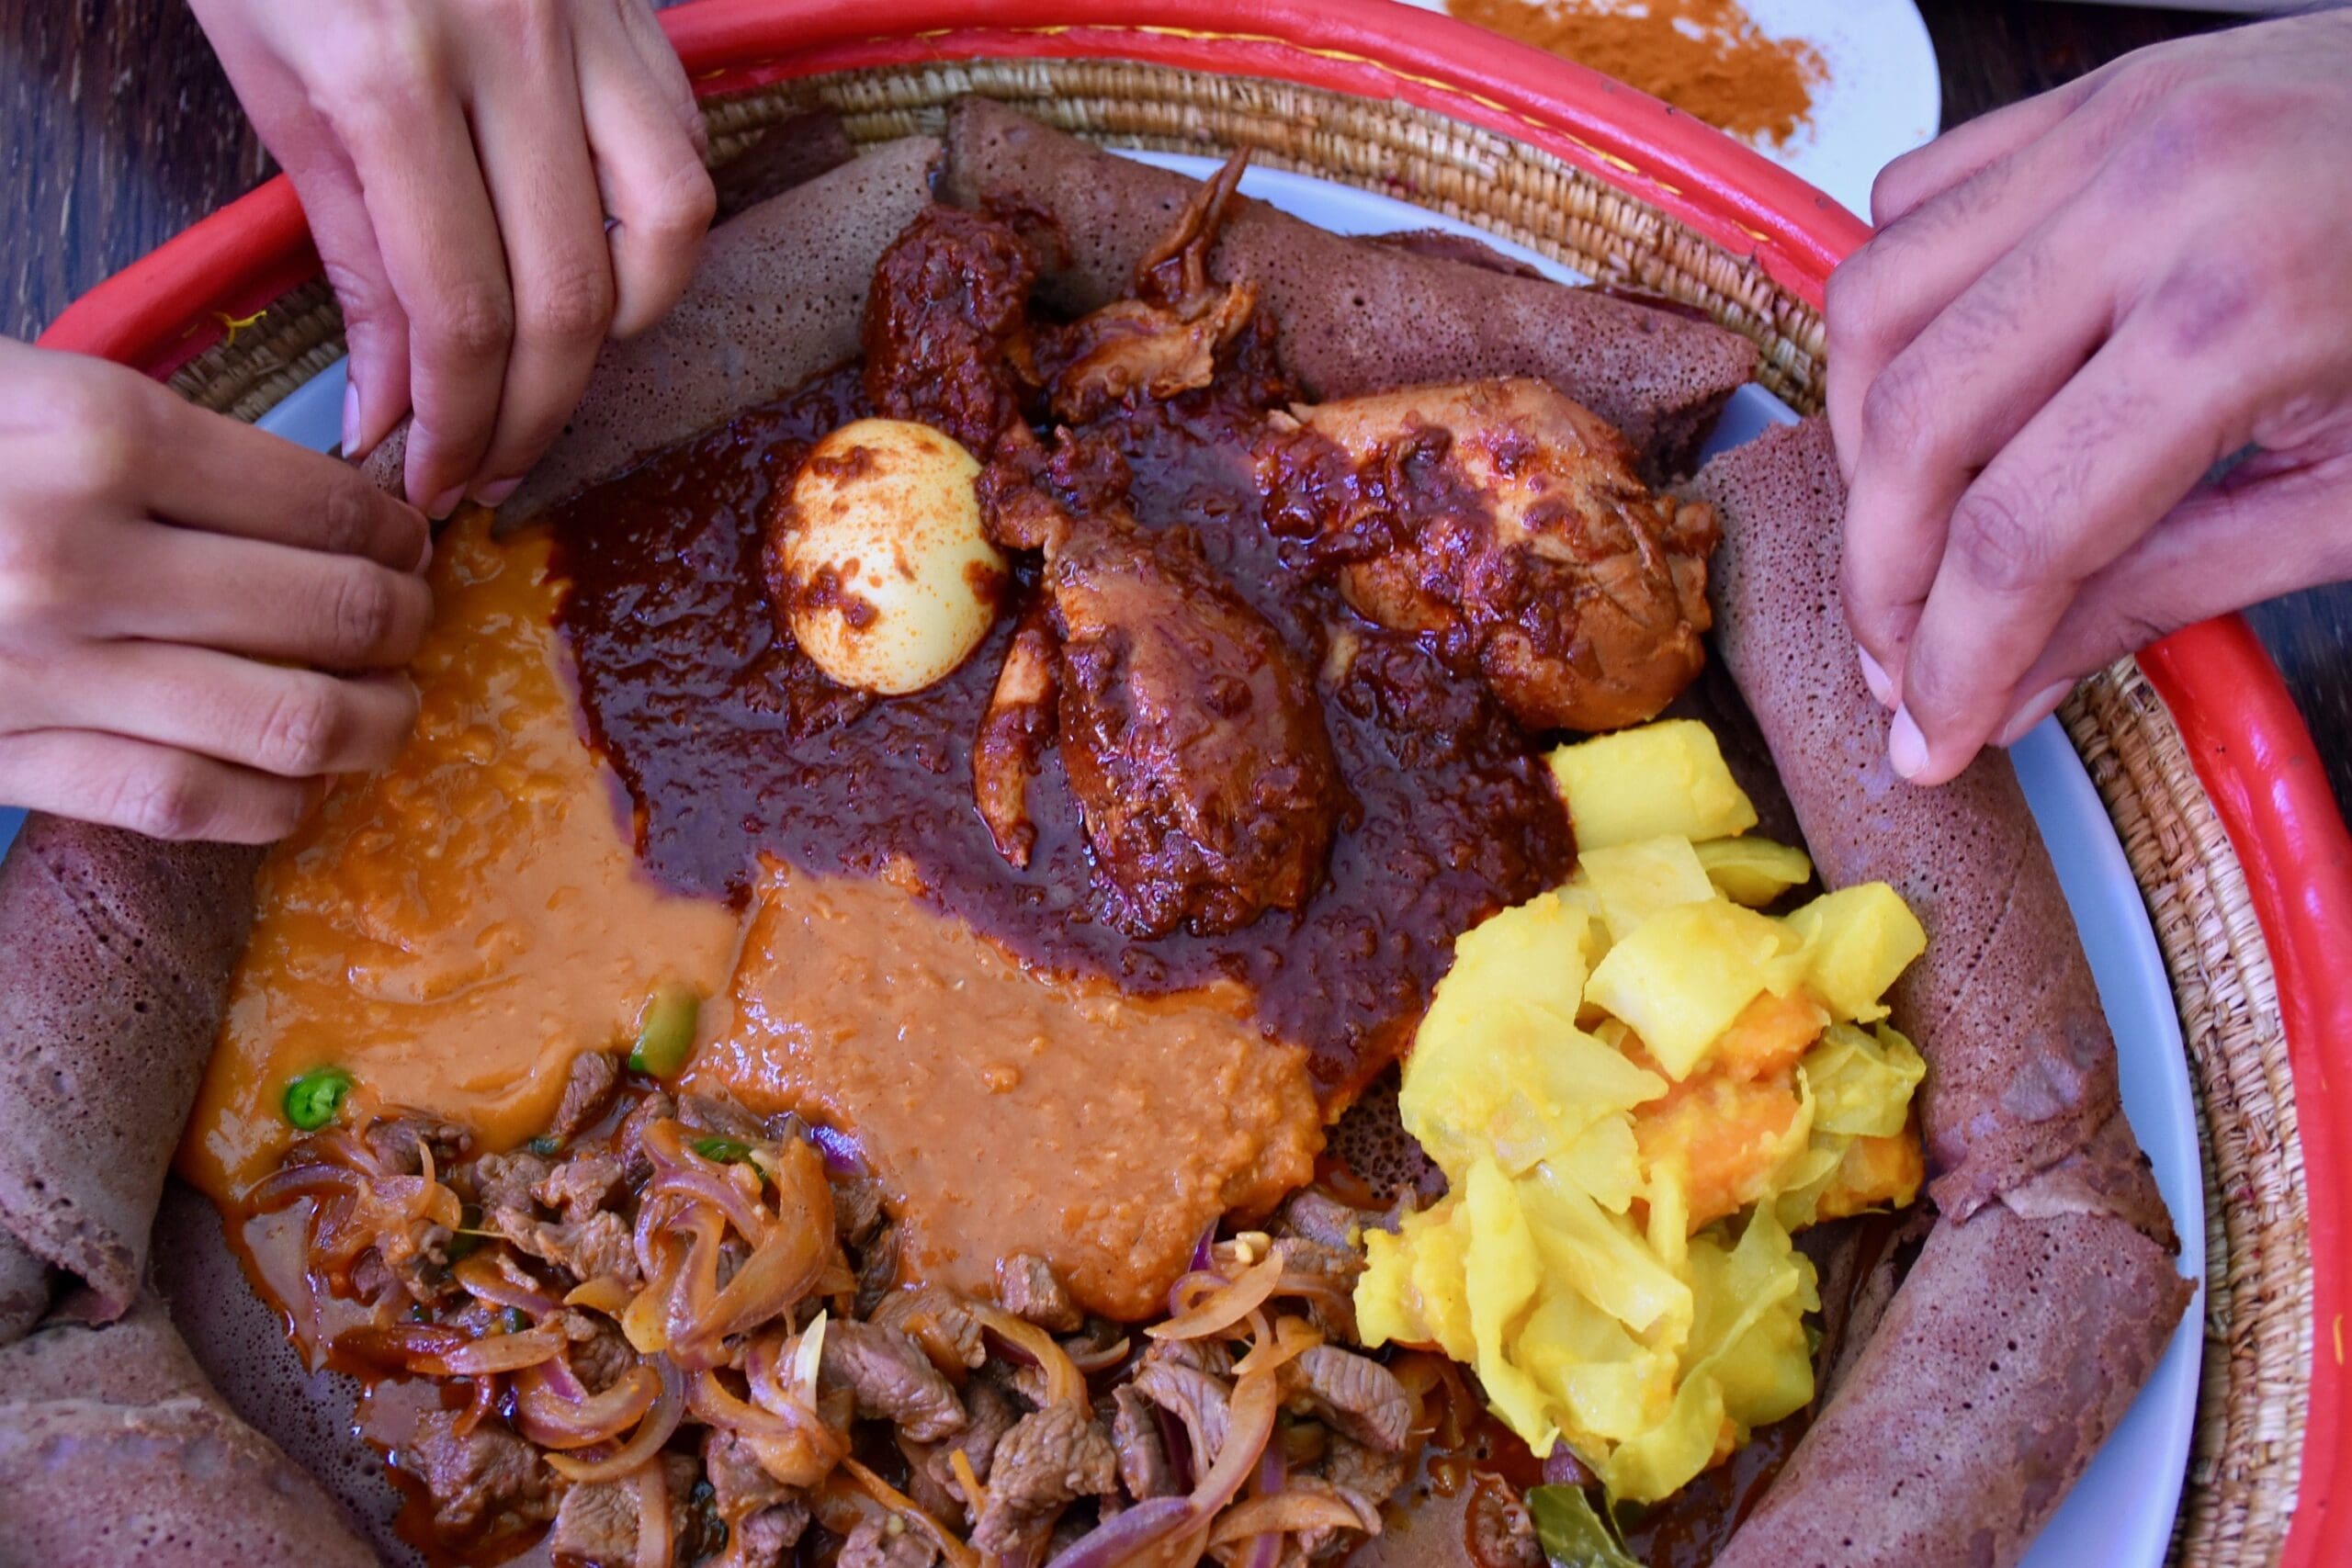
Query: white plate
x=2120, y=1514
x=1879, y=95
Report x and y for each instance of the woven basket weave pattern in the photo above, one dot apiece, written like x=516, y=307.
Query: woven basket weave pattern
x=2241, y=1485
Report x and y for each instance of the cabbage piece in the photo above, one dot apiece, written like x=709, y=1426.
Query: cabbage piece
x=1748, y=1361
x=1862, y=1082
x=1633, y=882
x=1602, y=1258
x=1606, y=1386
x=1686, y=973
x=1753, y=872
x=1501, y=1274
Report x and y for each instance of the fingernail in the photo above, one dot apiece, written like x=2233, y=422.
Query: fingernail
x=1874, y=677
x=1906, y=748
x=492, y=495
x=2032, y=711
x=446, y=502
x=426, y=558
x=351, y=420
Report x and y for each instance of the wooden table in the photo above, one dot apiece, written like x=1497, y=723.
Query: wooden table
x=117, y=130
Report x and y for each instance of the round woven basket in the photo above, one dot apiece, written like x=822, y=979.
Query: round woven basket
x=2194, y=745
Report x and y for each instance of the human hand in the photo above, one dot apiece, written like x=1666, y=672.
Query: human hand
x=2074, y=310
x=153, y=557
x=459, y=162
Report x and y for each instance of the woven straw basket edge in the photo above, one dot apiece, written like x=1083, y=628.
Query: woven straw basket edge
x=2241, y=1486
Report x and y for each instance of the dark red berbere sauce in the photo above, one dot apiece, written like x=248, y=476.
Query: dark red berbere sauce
x=731, y=744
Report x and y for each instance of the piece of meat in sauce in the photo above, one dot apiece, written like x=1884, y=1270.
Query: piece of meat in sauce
x=1050, y=1458
x=893, y=1380
x=482, y=1481
x=1164, y=340
x=1191, y=737
x=1504, y=525
x=597, y=1525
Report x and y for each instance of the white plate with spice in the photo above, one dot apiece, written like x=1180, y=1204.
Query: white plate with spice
x=1833, y=90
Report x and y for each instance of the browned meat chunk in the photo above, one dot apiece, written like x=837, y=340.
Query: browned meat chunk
x=857, y=1209
x=1193, y=739
x=1365, y=1473
x=587, y=1093
x=416, y=1255
x=506, y=1181
x=1309, y=1216
x=596, y=1526
x=400, y=1144
x=883, y=1540
x=1497, y=1529
x=946, y=330
x=937, y=1320
x=1027, y=1287
x=1144, y=1466
x=600, y=1352
x=629, y=1141
x=931, y=1473
x=484, y=1481
x=765, y=1539
x=1503, y=525
x=598, y=1246
x=581, y=1184
x=1200, y=1403
x=1165, y=340
x=892, y=1378
x=1049, y=1459
x=710, y=1114
x=764, y=1519
x=1354, y=1394
x=1013, y=735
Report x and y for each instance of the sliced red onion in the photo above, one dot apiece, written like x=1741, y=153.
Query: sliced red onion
x=645, y=1444
x=1151, y=1523
x=553, y=1421
x=494, y=1353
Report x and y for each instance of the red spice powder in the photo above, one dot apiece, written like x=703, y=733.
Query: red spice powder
x=1705, y=57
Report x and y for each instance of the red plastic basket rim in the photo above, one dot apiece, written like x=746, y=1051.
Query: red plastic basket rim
x=2248, y=742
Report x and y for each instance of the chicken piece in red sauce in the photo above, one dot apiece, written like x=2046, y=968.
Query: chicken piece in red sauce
x=1192, y=736
x=1503, y=524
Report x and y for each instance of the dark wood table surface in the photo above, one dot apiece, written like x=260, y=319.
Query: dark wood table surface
x=117, y=130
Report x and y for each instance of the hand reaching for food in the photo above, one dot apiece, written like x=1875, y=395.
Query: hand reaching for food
x=173, y=585
x=2075, y=311
x=494, y=190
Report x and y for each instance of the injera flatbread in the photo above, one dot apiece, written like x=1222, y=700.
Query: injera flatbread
x=2002, y=1002
x=777, y=296
x=119, y=952
x=2002, y=1364
x=1356, y=317
x=2046, y=1292
x=115, y=1453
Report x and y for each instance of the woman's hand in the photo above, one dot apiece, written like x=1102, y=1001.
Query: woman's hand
x=2075, y=310
x=495, y=185
x=172, y=585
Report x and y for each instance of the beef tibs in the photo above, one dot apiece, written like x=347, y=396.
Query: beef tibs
x=706, y=1389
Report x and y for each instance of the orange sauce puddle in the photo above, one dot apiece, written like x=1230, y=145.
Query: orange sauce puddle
x=1006, y=1112
x=452, y=931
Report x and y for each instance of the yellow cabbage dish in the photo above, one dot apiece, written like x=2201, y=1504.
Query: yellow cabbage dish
x=1638, y=1087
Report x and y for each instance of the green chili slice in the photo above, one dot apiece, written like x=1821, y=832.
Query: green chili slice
x=312, y=1099
x=547, y=1144
x=665, y=1031
x=724, y=1150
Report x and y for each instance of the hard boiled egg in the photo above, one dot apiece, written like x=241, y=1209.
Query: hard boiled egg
x=882, y=570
